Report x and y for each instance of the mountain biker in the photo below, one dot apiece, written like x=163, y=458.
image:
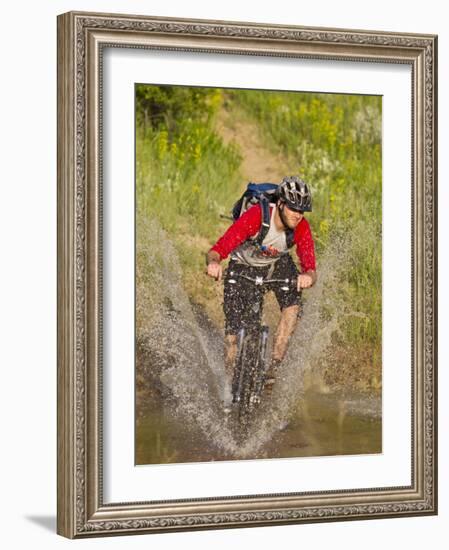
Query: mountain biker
x=243, y=299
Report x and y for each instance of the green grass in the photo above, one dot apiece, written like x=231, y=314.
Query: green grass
x=187, y=178
x=191, y=177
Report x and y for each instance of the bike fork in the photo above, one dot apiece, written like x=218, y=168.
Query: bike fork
x=237, y=379
x=261, y=366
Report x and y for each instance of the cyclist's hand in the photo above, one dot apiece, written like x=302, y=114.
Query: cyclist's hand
x=214, y=270
x=304, y=281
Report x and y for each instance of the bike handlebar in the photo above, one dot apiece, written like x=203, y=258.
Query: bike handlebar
x=259, y=281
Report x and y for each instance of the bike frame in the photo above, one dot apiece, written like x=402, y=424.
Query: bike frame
x=251, y=362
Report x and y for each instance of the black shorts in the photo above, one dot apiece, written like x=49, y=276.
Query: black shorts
x=243, y=299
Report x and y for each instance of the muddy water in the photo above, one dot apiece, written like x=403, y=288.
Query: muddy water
x=323, y=425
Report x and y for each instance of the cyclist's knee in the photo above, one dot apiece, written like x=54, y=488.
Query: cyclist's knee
x=291, y=313
x=231, y=343
x=231, y=339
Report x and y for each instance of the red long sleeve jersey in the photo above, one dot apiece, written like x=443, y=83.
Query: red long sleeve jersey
x=248, y=225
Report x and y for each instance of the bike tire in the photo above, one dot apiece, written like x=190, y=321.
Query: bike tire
x=250, y=360
x=238, y=367
x=249, y=372
x=261, y=366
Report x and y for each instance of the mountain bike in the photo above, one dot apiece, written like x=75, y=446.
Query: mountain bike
x=251, y=361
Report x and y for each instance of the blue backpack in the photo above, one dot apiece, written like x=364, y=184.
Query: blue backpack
x=263, y=194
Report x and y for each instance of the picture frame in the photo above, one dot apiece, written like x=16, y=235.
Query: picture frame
x=82, y=509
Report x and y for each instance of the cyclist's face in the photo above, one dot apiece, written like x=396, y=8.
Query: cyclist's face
x=292, y=217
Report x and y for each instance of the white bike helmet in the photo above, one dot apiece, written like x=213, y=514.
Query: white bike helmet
x=296, y=194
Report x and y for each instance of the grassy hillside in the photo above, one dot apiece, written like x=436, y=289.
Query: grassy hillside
x=188, y=176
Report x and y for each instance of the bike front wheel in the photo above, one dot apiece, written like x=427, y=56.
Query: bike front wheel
x=249, y=371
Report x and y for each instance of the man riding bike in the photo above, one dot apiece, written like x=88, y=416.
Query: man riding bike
x=269, y=259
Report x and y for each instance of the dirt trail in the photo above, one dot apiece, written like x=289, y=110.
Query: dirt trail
x=259, y=164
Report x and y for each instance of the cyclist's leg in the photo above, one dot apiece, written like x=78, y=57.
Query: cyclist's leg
x=230, y=354
x=286, y=326
x=289, y=303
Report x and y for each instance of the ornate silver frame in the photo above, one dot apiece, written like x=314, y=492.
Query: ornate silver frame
x=81, y=37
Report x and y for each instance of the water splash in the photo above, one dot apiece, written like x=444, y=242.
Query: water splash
x=183, y=357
